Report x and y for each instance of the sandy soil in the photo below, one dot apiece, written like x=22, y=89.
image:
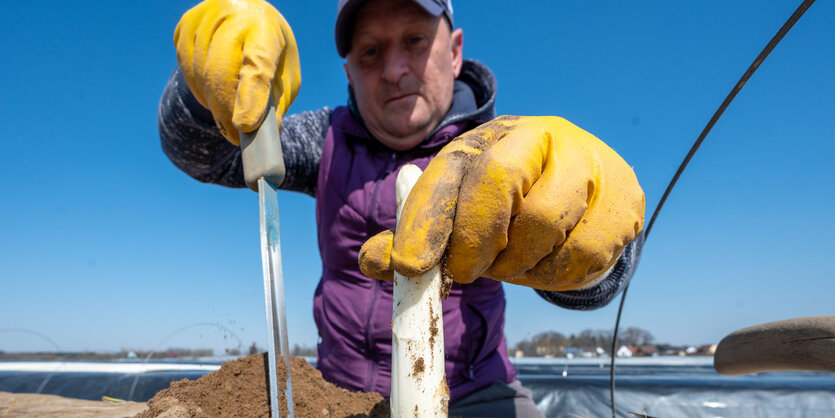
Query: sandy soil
x=32, y=405
x=239, y=389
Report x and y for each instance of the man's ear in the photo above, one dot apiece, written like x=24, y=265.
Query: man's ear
x=457, y=41
x=348, y=73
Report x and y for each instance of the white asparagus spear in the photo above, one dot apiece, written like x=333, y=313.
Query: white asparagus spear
x=418, y=381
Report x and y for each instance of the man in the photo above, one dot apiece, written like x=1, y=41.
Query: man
x=533, y=201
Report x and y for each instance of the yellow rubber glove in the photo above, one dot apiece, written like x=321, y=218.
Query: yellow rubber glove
x=534, y=201
x=231, y=52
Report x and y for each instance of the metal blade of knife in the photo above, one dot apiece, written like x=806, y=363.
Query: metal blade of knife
x=263, y=164
x=274, y=292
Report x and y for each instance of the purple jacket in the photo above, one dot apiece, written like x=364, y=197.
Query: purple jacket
x=355, y=200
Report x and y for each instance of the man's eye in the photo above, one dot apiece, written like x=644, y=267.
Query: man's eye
x=370, y=52
x=415, y=40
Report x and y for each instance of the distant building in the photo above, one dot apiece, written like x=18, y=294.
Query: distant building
x=648, y=350
x=677, y=351
x=623, y=351
x=707, y=349
x=545, y=350
x=585, y=352
x=571, y=352
x=668, y=350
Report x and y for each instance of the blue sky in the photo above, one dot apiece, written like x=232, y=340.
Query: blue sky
x=104, y=244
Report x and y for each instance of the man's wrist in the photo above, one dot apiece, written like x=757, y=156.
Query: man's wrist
x=197, y=111
x=607, y=286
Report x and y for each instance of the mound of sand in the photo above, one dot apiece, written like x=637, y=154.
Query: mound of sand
x=239, y=389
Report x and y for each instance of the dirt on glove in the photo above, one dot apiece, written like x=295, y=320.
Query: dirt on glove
x=239, y=389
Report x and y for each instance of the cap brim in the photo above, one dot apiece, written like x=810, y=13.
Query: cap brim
x=430, y=6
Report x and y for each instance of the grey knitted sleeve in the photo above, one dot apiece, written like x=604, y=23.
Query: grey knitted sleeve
x=193, y=143
x=600, y=295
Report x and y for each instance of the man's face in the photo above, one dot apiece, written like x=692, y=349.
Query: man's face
x=402, y=66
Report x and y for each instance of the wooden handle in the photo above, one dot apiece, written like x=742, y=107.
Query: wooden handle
x=792, y=344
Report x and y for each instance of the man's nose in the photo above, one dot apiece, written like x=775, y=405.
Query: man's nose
x=395, y=65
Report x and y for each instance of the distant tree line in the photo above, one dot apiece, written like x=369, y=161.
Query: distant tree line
x=176, y=352
x=303, y=351
x=552, y=343
x=64, y=356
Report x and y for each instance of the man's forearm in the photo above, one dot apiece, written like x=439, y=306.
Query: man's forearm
x=192, y=141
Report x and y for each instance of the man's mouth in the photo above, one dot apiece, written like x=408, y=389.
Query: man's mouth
x=399, y=97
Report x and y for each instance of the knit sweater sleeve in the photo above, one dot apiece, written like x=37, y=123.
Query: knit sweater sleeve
x=192, y=141
x=600, y=295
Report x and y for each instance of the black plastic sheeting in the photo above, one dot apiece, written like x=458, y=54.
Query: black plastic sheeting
x=657, y=390
x=593, y=401
x=677, y=391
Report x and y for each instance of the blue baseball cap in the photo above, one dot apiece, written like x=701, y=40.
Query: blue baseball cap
x=348, y=8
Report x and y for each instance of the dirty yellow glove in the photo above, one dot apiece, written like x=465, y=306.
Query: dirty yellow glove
x=534, y=201
x=231, y=52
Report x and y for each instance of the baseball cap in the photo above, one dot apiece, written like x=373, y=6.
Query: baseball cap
x=347, y=9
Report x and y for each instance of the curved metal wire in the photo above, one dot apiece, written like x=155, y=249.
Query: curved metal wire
x=716, y=115
x=171, y=335
x=50, y=341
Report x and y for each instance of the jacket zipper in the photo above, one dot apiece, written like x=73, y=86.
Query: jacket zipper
x=369, y=345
